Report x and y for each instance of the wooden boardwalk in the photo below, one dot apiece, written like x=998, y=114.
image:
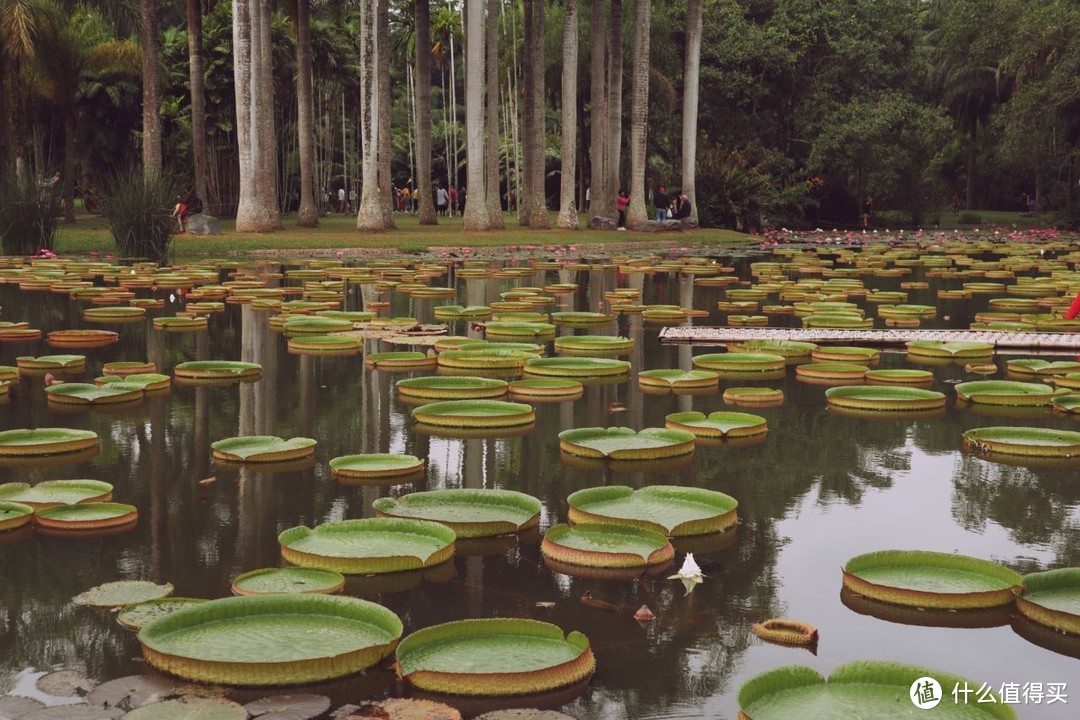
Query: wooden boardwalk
x=1058, y=342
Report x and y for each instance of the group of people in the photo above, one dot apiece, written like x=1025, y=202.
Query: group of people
x=447, y=201
x=675, y=206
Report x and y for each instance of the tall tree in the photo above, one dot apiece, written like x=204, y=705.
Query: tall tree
x=18, y=31
x=476, y=211
x=422, y=43
x=538, y=214
x=614, y=107
x=382, y=37
x=258, y=209
x=308, y=213
x=639, y=109
x=529, y=72
x=153, y=159
x=691, y=81
x=568, y=217
x=369, y=217
x=197, y=82
x=598, y=114
x=491, y=137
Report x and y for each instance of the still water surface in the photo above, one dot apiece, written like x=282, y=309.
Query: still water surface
x=821, y=488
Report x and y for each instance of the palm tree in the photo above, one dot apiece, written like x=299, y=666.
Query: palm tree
x=639, y=110
x=691, y=81
x=537, y=197
x=529, y=71
x=73, y=46
x=422, y=43
x=197, y=80
x=491, y=137
x=308, y=213
x=369, y=217
x=614, y=107
x=476, y=211
x=598, y=145
x=568, y=217
x=382, y=37
x=18, y=30
x=258, y=209
x=153, y=159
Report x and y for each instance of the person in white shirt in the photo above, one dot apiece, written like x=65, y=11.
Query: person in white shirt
x=341, y=200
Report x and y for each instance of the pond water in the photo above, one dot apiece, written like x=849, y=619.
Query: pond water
x=821, y=488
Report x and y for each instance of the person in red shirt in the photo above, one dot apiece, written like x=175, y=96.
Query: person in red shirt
x=621, y=203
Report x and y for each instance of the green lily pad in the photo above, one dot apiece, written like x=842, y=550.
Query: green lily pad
x=841, y=353
x=45, y=441
x=351, y=316
x=122, y=593
x=1035, y=366
x=836, y=320
x=14, y=515
x=289, y=707
x=87, y=516
x=899, y=376
x=1005, y=392
x=262, y=448
x=1052, y=598
x=1035, y=442
x=453, y=312
x=580, y=318
x=474, y=413
x=193, y=708
x=832, y=371
x=74, y=712
x=621, y=443
x=56, y=492
x=717, y=424
x=869, y=690
x=206, y=369
x=469, y=513
x=134, y=617
x=369, y=546
x=52, y=362
x=786, y=348
x=1067, y=403
x=679, y=378
x=494, y=657
x=375, y=465
x=314, y=325
x=475, y=345
x=147, y=381
x=271, y=639
x=400, y=360
x=577, y=367
x=546, y=388
x=930, y=579
x=268, y=581
x=593, y=344
x=519, y=329
x=892, y=398
x=942, y=349
x=668, y=509
x=740, y=362
x=451, y=387
x=606, y=545
x=90, y=394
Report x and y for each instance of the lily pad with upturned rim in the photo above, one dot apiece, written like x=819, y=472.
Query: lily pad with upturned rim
x=899, y=376
x=1052, y=598
x=45, y=441
x=214, y=369
x=870, y=690
x=927, y=579
x=679, y=378
x=1034, y=442
x=1038, y=367
x=374, y=545
x=56, y=492
x=51, y=362
x=150, y=382
x=1067, y=403
x=494, y=657
x=474, y=414
x=90, y=394
x=324, y=345
x=401, y=360
x=669, y=509
x=451, y=387
x=845, y=354
x=271, y=639
x=740, y=362
x=469, y=513
x=123, y=593
x=86, y=516
x=189, y=708
x=14, y=515
x=593, y=345
x=832, y=371
x=753, y=396
x=134, y=617
x=884, y=398
x=262, y=448
x=622, y=443
x=275, y=581
x=576, y=367
x=943, y=349
x=787, y=348
x=717, y=424
x=550, y=388
x=1006, y=392
x=607, y=545
x=375, y=465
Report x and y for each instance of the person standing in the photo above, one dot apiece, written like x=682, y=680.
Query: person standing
x=867, y=210
x=621, y=203
x=442, y=200
x=415, y=200
x=341, y=200
x=452, y=197
x=588, y=197
x=661, y=201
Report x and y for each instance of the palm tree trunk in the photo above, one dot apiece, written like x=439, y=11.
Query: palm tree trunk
x=528, y=120
x=196, y=77
x=385, y=182
x=598, y=145
x=538, y=216
x=568, y=150
x=257, y=210
x=972, y=154
x=691, y=81
x=422, y=41
x=476, y=212
x=69, y=165
x=308, y=214
x=151, y=87
x=639, y=110
x=370, y=216
x=614, y=108
x=491, y=137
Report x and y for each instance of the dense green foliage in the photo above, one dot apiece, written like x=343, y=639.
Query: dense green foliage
x=28, y=216
x=807, y=106
x=139, y=212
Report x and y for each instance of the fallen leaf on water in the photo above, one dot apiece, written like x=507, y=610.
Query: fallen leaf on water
x=208, y=481
x=589, y=600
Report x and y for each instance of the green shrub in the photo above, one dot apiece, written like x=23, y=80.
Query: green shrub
x=28, y=216
x=1068, y=218
x=139, y=214
x=969, y=218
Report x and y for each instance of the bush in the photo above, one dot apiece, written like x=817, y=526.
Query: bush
x=28, y=216
x=734, y=193
x=1069, y=218
x=969, y=218
x=139, y=214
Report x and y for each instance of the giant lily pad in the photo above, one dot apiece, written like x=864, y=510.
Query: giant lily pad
x=375, y=465
x=314, y=325
x=474, y=414
x=149, y=382
x=56, y=492
x=863, y=397
x=134, y=617
x=607, y=545
x=577, y=367
x=678, y=378
x=82, y=338
x=717, y=424
x=123, y=593
x=451, y=388
x=268, y=581
x=400, y=361
x=262, y=448
x=786, y=348
x=484, y=359
x=1005, y=392
x=899, y=376
x=832, y=371
x=271, y=639
x=376, y=545
x=740, y=362
x=581, y=319
x=217, y=369
x=930, y=579
x=90, y=394
x=943, y=349
x=86, y=516
x=51, y=362
x=668, y=509
x=455, y=312
x=845, y=354
x=45, y=441
x=546, y=389
x=1035, y=442
x=868, y=690
x=1036, y=366
x=324, y=345
x=1052, y=598
x=762, y=396
x=192, y=708
x=1067, y=403
x=469, y=513
x=593, y=345
x=1070, y=381
x=494, y=657
x=621, y=443
x=14, y=515
x=473, y=345
x=519, y=330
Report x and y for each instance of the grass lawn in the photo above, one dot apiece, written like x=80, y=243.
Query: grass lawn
x=338, y=232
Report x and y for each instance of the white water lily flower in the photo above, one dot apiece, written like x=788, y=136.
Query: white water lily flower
x=690, y=574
